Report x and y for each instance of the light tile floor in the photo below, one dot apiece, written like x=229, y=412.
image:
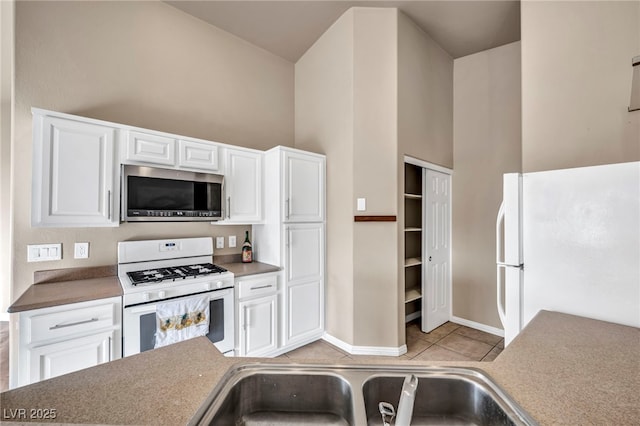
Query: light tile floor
x=449, y=342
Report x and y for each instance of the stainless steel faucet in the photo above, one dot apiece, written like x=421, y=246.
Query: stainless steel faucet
x=405, y=406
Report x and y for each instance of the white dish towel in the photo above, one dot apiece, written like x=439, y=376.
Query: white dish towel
x=182, y=319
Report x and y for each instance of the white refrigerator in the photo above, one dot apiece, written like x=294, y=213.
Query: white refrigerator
x=569, y=241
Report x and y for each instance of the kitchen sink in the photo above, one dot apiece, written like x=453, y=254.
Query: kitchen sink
x=458, y=397
x=296, y=394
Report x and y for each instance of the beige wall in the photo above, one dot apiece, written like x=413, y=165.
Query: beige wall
x=576, y=83
x=375, y=153
x=352, y=86
x=6, y=101
x=425, y=118
x=425, y=96
x=346, y=108
x=487, y=134
x=324, y=124
x=144, y=64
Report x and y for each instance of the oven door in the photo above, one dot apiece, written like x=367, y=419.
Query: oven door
x=139, y=324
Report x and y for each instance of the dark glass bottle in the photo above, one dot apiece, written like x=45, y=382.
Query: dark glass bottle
x=247, y=250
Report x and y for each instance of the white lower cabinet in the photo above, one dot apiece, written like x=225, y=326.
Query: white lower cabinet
x=259, y=322
x=257, y=314
x=304, y=315
x=71, y=355
x=67, y=338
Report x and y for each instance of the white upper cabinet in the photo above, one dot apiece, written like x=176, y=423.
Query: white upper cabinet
x=243, y=186
x=198, y=155
x=75, y=179
x=303, y=187
x=148, y=148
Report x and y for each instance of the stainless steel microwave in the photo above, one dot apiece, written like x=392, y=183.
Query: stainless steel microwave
x=151, y=194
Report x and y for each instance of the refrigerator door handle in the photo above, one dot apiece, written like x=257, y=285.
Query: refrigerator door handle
x=499, y=233
x=499, y=264
x=501, y=308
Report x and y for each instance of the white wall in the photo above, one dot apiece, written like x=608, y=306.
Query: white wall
x=487, y=128
x=576, y=83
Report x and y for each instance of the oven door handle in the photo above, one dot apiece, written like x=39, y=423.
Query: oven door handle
x=151, y=307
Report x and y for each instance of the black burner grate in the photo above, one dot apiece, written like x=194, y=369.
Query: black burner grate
x=173, y=273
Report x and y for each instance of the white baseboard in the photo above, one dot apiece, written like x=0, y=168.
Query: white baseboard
x=478, y=326
x=365, y=350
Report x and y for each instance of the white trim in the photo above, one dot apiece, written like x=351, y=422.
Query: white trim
x=478, y=326
x=365, y=350
x=427, y=165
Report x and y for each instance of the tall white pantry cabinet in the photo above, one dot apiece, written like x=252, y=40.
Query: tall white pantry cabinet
x=293, y=237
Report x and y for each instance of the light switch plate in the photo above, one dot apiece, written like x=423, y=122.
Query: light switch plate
x=81, y=251
x=362, y=204
x=232, y=240
x=219, y=242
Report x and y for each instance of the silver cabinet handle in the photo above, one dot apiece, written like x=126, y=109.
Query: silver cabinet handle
x=286, y=210
x=229, y=207
x=109, y=204
x=57, y=326
x=261, y=286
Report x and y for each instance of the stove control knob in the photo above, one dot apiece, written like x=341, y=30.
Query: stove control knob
x=219, y=284
x=162, y=294
x=208, y=286
x=146, y=297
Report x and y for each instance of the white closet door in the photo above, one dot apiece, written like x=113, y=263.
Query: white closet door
x=436, y=299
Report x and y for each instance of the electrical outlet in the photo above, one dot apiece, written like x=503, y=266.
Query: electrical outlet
x=362, y=204
x=220, y=242
x=44, y=252
x=81, y=251
x=232, y=240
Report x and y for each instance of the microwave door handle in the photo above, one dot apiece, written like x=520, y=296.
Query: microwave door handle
x=229, y=207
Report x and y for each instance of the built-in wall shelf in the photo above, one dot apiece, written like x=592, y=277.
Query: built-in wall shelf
x=412, y=294
x=413, y=196
x=412, y=261
x=413, y=240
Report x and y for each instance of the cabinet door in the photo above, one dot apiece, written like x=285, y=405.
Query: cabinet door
x=146, y=148
x=73, y=174
x=72, y=355
x=304, y=313
x=259, y=325
x=303, y=187
x=198, y=155
x=304, y=251
x=243, y=186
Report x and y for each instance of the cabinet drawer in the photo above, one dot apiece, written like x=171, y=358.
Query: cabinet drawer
x=70, y=322
x=150, y=148
x=256, y=285
x=198, y=155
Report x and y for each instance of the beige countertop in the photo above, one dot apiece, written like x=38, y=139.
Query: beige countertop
x=243, y=269
x=64, y=286
x=44, y=295
x=561, y=369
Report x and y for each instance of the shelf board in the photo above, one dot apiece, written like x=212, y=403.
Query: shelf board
x=412, y=261
x=411, y=295
x=412, y=229
x=413, y=196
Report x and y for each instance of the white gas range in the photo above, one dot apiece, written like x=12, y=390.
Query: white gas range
x=154, y=271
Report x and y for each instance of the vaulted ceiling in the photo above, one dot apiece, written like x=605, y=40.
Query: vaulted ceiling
x=289, y=28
